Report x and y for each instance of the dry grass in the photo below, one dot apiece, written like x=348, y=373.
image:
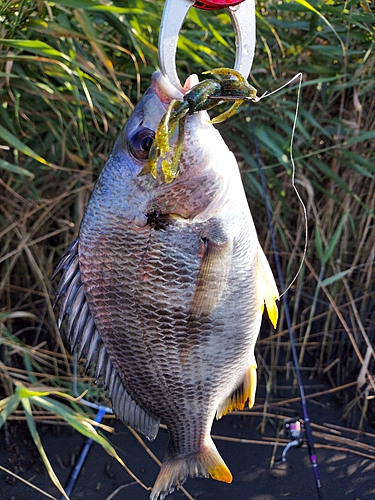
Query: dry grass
x=69, y=79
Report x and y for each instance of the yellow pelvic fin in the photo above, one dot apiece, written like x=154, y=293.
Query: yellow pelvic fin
x=246, y=391
x=268, y=289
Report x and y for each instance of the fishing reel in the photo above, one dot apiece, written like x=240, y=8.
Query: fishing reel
x=294, y=429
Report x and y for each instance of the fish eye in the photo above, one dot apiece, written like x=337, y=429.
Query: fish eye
x=140, y=143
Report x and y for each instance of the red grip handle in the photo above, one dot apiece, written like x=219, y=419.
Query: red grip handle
x=215, y=4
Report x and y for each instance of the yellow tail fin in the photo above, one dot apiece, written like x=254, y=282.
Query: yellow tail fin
x=174, y=471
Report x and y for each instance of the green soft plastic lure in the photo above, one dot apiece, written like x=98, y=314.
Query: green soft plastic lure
x=202, y=97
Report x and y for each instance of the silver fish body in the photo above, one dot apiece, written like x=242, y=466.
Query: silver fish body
x=165, y=289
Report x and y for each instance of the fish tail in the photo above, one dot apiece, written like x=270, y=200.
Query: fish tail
x=174, y=471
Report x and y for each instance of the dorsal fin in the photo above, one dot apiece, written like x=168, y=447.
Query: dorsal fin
x=84, y=337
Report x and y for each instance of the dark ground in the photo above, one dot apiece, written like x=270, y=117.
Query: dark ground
x=344, y=474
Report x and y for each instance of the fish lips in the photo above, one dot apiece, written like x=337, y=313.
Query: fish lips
x=147, y=115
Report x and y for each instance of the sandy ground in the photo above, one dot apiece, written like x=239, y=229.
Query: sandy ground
x=345, y=473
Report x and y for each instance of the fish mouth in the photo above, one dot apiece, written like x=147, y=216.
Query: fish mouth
x=166, y=91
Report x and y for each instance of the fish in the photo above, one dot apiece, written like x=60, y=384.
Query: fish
x=165, y=287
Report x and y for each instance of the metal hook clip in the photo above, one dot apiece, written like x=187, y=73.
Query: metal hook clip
x=175, y=11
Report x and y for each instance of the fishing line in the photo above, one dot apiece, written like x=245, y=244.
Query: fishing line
x=309, y=436
x=298, y=76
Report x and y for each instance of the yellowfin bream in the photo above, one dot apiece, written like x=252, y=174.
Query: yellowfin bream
x=165, y=288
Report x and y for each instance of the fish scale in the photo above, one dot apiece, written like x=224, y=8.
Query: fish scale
x=146, y=291
x=168, y=293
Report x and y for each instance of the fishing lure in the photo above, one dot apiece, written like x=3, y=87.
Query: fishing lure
x=202, y=97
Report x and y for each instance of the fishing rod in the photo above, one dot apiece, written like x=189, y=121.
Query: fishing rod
x=298, y=441
x=88, y=442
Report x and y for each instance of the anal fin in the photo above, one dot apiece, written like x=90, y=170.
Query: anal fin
x=245, y=391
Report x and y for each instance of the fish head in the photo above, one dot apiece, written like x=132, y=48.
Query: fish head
x=204, y=169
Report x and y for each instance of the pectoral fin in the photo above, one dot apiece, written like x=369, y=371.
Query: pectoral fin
x=212, y=276
x=268, y=289
x=246, y=391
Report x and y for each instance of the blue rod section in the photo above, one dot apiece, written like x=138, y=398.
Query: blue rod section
x=82, y=456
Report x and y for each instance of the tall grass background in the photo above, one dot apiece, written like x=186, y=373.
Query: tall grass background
x=70, y=74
